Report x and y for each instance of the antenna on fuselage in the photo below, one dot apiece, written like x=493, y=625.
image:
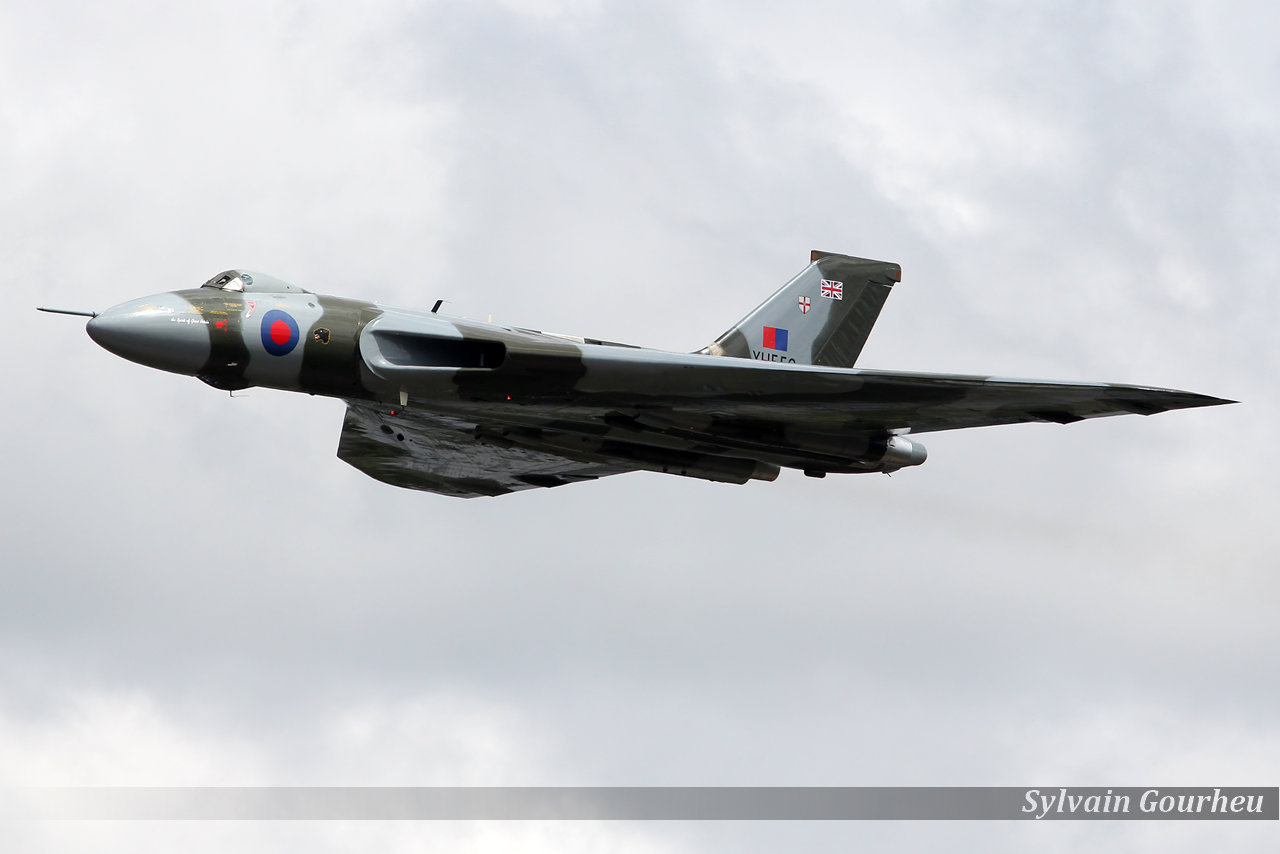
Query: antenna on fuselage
x=436, y=307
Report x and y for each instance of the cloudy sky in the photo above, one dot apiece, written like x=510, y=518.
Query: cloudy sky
x=195, y=591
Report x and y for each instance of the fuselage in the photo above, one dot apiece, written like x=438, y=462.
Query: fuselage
x=301, y=341
x=296, y=340
x=275, y=335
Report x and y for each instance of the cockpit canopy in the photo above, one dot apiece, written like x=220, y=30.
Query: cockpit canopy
x=244, y=281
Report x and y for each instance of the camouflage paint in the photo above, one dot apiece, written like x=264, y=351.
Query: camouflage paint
x=331, y=361
x=228, y=355
x=866, y=288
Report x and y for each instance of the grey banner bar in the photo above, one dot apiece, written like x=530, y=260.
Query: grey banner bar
x=1047, y=803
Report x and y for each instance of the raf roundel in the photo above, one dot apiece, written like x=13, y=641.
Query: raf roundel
x=279, y=333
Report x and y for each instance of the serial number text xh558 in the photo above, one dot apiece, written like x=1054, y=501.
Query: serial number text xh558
x=464, y=408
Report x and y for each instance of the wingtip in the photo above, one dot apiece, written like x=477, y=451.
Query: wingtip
x=1195, y=400
x=1153, y=401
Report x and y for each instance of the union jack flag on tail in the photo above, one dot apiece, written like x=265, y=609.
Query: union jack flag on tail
x=832, y=290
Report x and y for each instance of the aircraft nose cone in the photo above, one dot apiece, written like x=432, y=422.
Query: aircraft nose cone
x=160, y=332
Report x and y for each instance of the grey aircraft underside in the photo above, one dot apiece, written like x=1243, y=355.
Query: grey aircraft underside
x=464, y=408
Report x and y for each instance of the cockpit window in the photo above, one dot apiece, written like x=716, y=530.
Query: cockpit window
x=242, y=281
x=228, y=281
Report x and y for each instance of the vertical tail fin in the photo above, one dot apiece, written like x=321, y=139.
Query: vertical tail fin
x=821, y=317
